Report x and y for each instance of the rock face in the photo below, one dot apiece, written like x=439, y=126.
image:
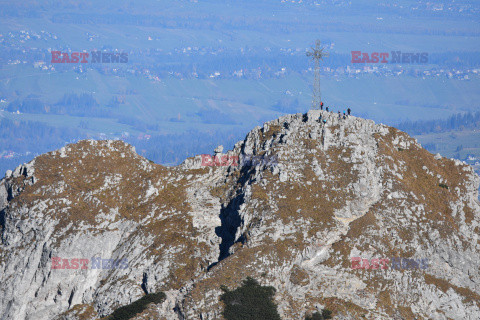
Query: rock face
x=348, y=190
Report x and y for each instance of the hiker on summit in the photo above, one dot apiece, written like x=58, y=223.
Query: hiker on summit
x=348, y=111
x=339, y=115
x=326, y=109
x=321, y=105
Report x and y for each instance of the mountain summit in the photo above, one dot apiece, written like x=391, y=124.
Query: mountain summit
x=351, y=216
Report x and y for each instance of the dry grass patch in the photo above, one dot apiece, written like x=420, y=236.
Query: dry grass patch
x=273, y=131
x=299, y=276
x=469, y=214
x=360, y=226
x=82, y=312
x=423, y=185
x=444, y=285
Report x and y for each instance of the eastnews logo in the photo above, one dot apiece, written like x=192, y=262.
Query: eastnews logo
x=219, y=160
x=246, y=160
x=396, y=263
x=382, y=57
x=97, y=263
x=82, y=57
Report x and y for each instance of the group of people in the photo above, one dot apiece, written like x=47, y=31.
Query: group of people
x=345, y=114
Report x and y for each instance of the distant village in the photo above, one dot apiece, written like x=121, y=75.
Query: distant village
x=341, y=66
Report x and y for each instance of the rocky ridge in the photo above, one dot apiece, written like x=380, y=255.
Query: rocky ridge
x=349, y=188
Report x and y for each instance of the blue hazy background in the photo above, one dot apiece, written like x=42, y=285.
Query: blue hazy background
x=204, y=73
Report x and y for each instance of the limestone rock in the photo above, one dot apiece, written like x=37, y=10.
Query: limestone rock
x=343, y=190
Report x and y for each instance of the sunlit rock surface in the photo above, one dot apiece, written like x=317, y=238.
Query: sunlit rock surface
x=345, y=189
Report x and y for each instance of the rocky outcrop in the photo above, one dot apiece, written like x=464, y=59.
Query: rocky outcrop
x=341, y=191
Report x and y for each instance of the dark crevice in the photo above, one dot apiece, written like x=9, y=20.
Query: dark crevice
x=9, y=192
x=212, y=265
x=230, y=217
x=144, y=283
x=305, y=117
x=71, y=298
x=242, y=239
x=231, y=221
x=178, y=311
x=2, y=219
